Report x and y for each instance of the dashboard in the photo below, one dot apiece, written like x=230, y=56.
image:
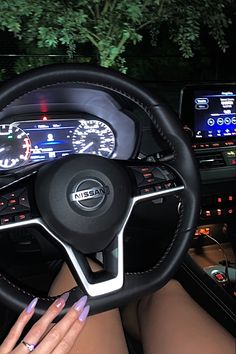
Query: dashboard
x=27, y=141
x=60, y=120
x=56, y=122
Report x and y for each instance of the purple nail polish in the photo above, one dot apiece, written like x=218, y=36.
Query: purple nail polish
x=60, y=302
x=84, y=313
x=65, y=296
x=79, y=305
x=31, y=305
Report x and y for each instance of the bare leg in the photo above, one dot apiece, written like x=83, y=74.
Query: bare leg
x=171, y=322
x=103, y=333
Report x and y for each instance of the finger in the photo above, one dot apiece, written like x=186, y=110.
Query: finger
x=57, y=333
x=17, y=329
x=39, y=328
x=69, y=339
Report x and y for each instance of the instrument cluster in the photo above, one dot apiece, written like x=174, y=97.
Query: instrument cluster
x=24, y=142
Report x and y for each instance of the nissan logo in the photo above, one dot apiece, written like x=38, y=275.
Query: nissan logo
x=89, y=194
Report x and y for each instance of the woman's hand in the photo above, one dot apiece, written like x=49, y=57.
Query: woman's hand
x=58, y=340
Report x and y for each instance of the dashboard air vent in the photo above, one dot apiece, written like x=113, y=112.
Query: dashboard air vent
x=210, y=159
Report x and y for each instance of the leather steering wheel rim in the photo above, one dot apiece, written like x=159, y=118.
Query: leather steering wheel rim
x=166, y=123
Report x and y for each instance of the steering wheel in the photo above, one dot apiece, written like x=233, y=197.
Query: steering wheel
x=83, y=202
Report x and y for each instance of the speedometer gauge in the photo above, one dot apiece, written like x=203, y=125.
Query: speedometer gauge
x=94, y=137
x=14, y=146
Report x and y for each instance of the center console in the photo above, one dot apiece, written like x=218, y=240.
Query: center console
x=208, y=114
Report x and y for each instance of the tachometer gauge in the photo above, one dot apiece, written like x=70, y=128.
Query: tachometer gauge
x=94, y=137
x=14, y=146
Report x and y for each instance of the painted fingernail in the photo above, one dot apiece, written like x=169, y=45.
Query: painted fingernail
x=60, y=302
x=79, y=305
x=65, y=296
x=31, y=305
x=84, y=313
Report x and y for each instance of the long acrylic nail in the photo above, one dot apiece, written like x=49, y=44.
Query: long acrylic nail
x=84, y=314
x=65, y=296
x=29, y=309
x=60, y=302
x=79, y=305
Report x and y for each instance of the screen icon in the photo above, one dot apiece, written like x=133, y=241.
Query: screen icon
x=227, y=121
x=227, y=132
x=199, y=134
x=201, y=103
x=201, y=100
x=211, y=122
x=210, y=133
x=201, y=106
x=50, y=137
x=220, y=121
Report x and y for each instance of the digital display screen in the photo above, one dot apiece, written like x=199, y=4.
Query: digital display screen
x=24, y=141
x=49, y=139
x=214, y=113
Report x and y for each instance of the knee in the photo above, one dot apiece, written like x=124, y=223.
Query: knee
x=95, y=267
x=172, y=284
x=172, y=287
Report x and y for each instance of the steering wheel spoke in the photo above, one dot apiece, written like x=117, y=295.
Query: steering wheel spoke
x=152, y=181
x=111, y=276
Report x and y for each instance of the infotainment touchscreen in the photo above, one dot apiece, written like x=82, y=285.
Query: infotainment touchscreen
x=210, y=111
